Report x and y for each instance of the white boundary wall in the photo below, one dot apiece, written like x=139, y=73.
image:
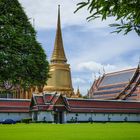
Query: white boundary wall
x=14, y=116
x=43, y=116
x=85, y=117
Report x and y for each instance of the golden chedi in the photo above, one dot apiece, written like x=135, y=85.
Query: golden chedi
x=77, y=94
x=60, y=75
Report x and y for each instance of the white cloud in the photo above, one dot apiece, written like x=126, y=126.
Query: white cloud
x=45, y=13
x=103, y=50
x=96, y=67
x=78, y=80
x=88, y=49
x=91, y=65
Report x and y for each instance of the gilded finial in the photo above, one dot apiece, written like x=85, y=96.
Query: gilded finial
x=78, y=91
x=58, y=23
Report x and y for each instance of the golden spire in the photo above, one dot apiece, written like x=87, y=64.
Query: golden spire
x=78, y=92
x=58, y=55
x=60, y=80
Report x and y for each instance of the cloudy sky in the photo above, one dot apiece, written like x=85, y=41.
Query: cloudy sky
x=89, y=46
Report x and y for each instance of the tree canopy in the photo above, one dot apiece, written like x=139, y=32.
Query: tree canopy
x=23, y=62
x=126, y=12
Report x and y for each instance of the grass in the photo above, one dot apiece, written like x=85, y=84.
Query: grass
x=95, y=131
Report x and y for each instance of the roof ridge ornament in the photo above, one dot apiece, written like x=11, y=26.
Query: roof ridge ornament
x=103, y=70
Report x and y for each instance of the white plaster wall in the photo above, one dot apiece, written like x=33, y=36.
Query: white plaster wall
x=124, y=117
x=117, y=117
x=14, y=116
x=33, y=116
x=134, y=117
x=48, y=116
x=99, y=117
x=102, y=117
x=69, y=116
x=87, y=116
x=65, y=117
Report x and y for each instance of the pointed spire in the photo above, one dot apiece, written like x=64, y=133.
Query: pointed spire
x=58, y=52
x=78, y=92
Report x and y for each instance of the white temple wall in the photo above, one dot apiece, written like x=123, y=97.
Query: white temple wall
x=45, y=116
x=65, y=117
x=84, y=117
x=14, y=116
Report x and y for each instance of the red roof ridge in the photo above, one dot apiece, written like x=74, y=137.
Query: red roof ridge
x=101, y=100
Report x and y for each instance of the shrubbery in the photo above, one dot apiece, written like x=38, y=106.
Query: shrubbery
x=27, y=120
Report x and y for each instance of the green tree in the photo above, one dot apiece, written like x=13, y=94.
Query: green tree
x=126, y=12
x=23, y=62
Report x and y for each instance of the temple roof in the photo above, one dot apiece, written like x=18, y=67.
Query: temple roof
x=117, y=77
x=48, y=101
x=117, y=85
x=58, y=52
x=57, y=101
x=104, y=106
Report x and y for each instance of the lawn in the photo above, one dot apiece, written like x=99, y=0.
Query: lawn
x=95, y=131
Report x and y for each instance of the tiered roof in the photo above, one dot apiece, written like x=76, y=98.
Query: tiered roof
x=117, y=85
x=48, y=101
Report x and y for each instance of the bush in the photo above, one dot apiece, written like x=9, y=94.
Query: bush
x=27, y=120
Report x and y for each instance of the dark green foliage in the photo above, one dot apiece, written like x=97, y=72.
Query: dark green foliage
x=27, y=120
x=127, y=12
x=22, y=60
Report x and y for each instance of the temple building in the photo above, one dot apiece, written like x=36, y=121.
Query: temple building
x=120, y=85
x=55, y=108
x=112, y=97
x=60, y=73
